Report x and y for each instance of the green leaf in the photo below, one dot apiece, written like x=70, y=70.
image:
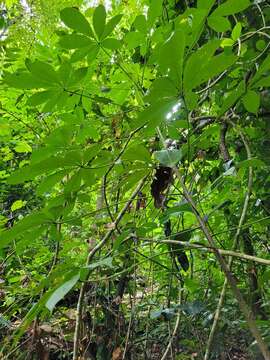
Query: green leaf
x=251, y=163
x=232, y=98
x=192, y=23
x=91, y=152
x=40, y=97
x=75, y=41
x=265, y=66
x=171, y=57
x=99, y=20
x=176, y=211
x=216, y=66
x=251, y=101
x=231, y=7
x=196, y=61
x=84, y=52
x=161, y=88
x=153, y=115
x=48, y=183
x=76, y=21
x=28, y=223
x=168, y=157
x=236, y=32
x=140, y=24
x=205, y=4
x=154, y=11
x=42, y=71
x=2, y=22
x=227, y=42
x=196, y=64
x=18, y=204
x=74, y=183
x=264, y=82
x=134, y=39
x=23, y=147
x=260, y=45
x=24, y=81
x=31, y=171
x=219, y=23
x=77, y=76
x=93, y=53
x=137, y=152
x=132, y=179
x=110, y=26
x=104, y=263
x=112, y=44
x=191, y=99
x=61, y=291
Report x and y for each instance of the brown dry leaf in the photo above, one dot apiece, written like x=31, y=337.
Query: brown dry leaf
x=46, y=327
x=117, y=354
x=110, y=226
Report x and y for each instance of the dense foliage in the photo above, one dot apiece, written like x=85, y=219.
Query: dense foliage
x=135, y=204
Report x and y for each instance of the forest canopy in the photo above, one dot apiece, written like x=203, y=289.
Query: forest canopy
x=134, y=170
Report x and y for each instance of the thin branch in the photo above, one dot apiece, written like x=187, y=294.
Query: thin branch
x=177, y=323
x=235, y=242
x=89, y=258
x=203, y=247
x=222, y=143
x=229, y=276
x=112, y=166
x=21, y=121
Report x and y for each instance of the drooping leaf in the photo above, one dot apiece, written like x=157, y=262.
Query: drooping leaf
x=168, y=157
x=61, y=291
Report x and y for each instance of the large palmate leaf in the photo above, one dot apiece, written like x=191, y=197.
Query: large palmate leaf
x=24, y=80
x=171, y=57
x=99, y=20
x=75, y=20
